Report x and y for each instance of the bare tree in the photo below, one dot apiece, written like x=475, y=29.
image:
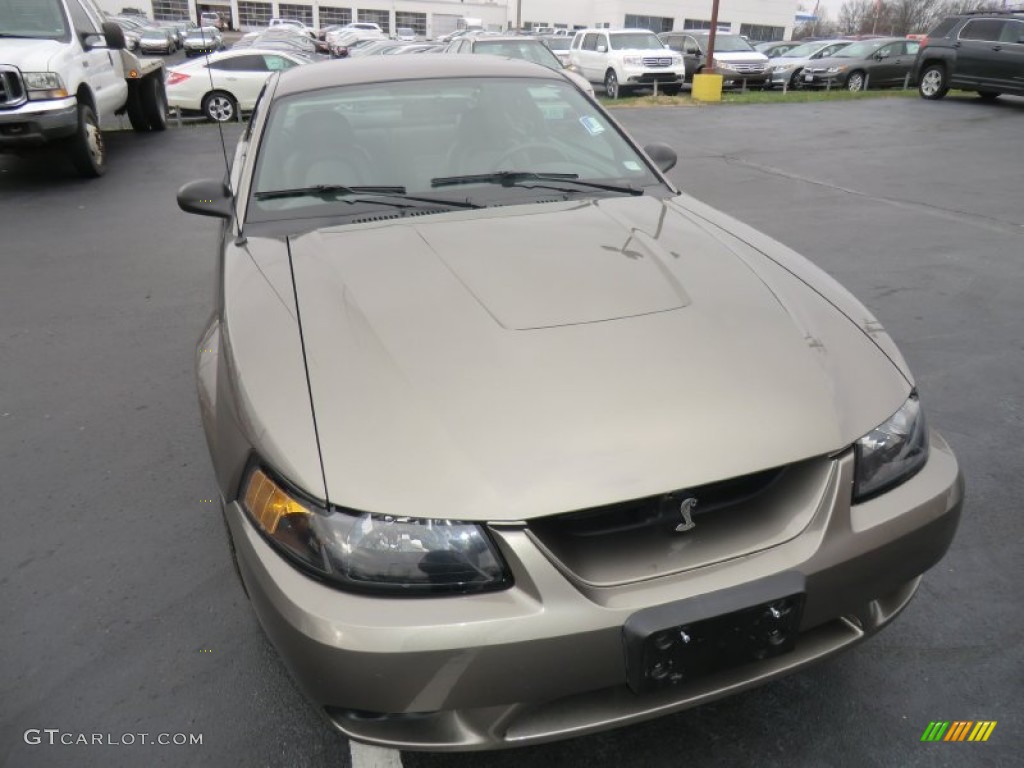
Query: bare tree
x=902, y=17
x=855, y=17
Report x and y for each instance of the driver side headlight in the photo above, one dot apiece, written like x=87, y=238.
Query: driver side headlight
x=44, y=85
x=377, y=553
x=892, y=452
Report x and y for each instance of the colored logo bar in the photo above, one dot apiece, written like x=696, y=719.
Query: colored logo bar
x=958, y=730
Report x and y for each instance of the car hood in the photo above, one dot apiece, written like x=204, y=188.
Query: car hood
x=792, y=61
x=746, y=57
x=31, y=55
x=514, y=362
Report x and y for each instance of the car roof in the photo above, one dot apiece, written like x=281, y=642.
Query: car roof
x=371, y=69
x=508, y=39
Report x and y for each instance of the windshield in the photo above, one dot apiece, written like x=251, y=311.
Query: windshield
x=530, y=50
x=558, y=43
x=728, y=44
x=41, y=19
x=202, y=33
x=860, y=50
x=635, y=40
x=802, y=51
x=463, y=142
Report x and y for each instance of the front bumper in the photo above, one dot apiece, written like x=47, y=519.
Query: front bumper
x=37, y=123
x=822, y=80
x=780, y=78
x=735, y=79
x=545, y=660
x=643, y=76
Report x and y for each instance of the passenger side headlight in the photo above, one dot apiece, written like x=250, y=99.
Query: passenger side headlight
x=378, y=553
x=892, y=452
x=633, y=61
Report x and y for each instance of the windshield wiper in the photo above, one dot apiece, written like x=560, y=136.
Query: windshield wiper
x=361, y=194
x=324, y=191
x=516, y=178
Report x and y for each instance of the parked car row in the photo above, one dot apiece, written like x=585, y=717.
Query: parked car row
x=146, y=36
x=953, y=55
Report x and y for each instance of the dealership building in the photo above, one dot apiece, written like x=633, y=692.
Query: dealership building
x=757, y=19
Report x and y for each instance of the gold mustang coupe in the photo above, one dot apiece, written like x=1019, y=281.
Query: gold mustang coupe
x=515, y=441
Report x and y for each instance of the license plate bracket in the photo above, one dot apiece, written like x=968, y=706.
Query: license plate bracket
x=684, y=641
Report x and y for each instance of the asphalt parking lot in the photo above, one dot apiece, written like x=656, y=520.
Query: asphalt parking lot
x=123, y=614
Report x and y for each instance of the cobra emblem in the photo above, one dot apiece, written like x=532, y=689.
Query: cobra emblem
x=686, y=510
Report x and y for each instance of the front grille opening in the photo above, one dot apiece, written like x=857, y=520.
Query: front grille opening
x=12, y=92
x=661, y=510
x=688, y=528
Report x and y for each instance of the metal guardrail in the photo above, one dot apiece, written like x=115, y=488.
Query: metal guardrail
x=179, y=120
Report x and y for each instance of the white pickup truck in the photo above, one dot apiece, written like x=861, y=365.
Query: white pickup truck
x=63, y=71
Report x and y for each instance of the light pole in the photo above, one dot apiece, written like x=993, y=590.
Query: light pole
x=519, y=15
x=710, y=65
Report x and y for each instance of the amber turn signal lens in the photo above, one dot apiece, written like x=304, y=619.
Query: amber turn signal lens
x=267, y=503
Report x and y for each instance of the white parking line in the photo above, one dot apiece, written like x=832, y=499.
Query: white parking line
x=366, y=756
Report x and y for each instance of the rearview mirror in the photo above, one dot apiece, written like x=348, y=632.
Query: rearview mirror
x=663, y=155
x=206, y=197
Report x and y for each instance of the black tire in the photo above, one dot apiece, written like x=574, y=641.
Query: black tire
x=612, y=88
x=136, y=115
x=153, y=99
x=220, y=106
x=856, y=81
x=933, y=83
x=86, y=148
x=988, y=95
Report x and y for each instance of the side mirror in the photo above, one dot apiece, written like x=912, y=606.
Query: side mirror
x=602, y=49
x=206, y=197
x=113, y=35
x=663, y=156
x=880, y=56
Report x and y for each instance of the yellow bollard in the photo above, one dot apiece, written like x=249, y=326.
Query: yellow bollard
x=707, y=88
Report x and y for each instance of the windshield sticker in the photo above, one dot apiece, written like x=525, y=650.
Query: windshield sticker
x=631, y=165
x=591, y=124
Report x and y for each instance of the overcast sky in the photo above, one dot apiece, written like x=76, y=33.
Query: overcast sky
x=832, y=6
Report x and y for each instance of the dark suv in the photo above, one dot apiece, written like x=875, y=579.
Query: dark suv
x=981, y=52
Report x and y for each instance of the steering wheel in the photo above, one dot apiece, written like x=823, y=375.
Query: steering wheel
x=524, y=149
